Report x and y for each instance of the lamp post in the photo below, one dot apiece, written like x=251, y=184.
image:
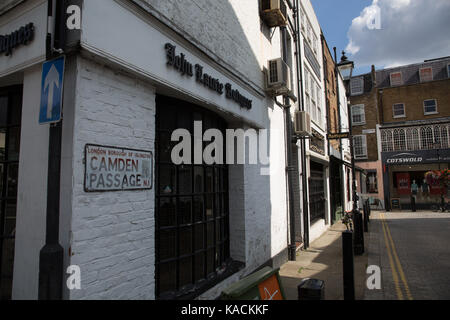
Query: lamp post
x=346, y=67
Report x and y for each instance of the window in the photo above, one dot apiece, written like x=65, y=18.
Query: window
x=360, y=147
x=10, y=123
x=399, y=140
x=412, y=139
x=430, y=107
x=357, y=86
x=307, y=81
x=426, y=74
x=309, y=33
x=315, y=43
x=396, y=79
x=358, y=115
x=372, y=182
x=399, y=110
x=192, y=211
x=302, y=18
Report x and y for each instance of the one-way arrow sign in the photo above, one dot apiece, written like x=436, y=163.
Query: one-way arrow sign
x=51, y=91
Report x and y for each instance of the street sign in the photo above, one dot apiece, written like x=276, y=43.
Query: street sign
x=338, y=136
x=52, y=91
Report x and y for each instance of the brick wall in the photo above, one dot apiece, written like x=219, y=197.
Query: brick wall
x=369, y=100
x=225, y=29
x=413, y=97
x=113, y=232
x=331, y=93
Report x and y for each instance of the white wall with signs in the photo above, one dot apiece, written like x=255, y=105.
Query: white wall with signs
x=148, y=56
x=26, y=55
x=117, y=169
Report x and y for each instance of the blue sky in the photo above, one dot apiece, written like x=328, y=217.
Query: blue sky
x=386, y=33
x=335, y=18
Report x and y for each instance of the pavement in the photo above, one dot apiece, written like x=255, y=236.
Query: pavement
x=412, y=251
x=323, y=261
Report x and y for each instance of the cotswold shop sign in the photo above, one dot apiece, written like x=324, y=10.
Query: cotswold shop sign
x=182, y=65
x=116, y=169
x=416, y=157
x=22, y=36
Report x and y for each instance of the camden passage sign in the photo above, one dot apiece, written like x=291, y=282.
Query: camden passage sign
x=117, y=169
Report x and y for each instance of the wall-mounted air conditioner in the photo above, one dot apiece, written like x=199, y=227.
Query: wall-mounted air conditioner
x=274, y=13
x=278, y=77
x=302, y=124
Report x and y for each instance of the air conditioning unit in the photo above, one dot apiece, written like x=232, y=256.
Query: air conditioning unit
x=278, y=77
x=274, y=13
x=302, y=124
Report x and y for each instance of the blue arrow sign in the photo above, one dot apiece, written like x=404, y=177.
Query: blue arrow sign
x=52, y=91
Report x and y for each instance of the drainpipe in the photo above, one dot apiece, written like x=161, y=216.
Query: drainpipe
x=292, y=249
x=303, y=141
x=51, y=256
x=338, y=92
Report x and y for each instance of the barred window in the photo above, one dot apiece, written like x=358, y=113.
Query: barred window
x=192, y=211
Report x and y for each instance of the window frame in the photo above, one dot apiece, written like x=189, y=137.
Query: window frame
x=420, y=74
x=213, y=224
x=398, y=116
x=401, y=79
x=363, y=147
x=361, y=106
x=430, y=113
x=361, y=82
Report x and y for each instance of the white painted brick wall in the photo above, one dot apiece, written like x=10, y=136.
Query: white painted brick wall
x=112, y=232
x=229, y=30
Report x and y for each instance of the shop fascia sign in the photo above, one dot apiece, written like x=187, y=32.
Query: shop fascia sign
x=182, y=65
x=404, y=158
x=22, y=36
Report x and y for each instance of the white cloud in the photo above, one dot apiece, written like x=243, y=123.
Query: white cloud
x=395, y=32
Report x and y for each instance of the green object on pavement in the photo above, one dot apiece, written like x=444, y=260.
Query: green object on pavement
x=247, y=288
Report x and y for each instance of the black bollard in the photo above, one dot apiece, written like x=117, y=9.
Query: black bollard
x=359, y=233
x=366, y=217
x=413, y=204
x=349, y=266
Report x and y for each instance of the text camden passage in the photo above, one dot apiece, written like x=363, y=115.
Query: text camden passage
x=117, y=169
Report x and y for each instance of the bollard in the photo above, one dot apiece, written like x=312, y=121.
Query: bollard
x=413, y=204
x=348, y=265
x=359, y=233
x=366, y=217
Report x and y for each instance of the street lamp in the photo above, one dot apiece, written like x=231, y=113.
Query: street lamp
x=345, y=68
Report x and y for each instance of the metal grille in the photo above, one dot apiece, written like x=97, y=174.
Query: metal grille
x=317, y=195
x=10, y=120
x=192, y=212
